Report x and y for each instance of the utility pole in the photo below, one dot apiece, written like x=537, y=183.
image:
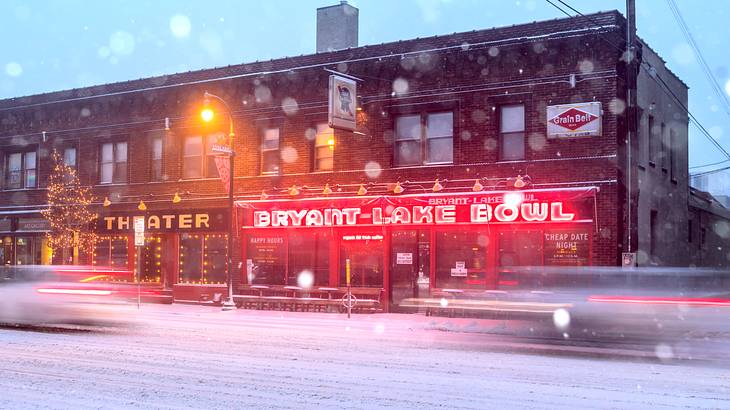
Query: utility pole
x=631, y=143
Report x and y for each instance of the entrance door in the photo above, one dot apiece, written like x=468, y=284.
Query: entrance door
x=152, y=258
x=409, y=266
x=365, y=252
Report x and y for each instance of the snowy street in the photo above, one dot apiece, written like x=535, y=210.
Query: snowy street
x=199, y=357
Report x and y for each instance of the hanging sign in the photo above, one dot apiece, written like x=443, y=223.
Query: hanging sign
x=342, y=103
x=574, y=120
x=139, y=231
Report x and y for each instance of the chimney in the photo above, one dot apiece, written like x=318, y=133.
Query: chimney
x=336, y=27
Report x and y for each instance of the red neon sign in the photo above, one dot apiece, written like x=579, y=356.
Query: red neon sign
x=438, y=209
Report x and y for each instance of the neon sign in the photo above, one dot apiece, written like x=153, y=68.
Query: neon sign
x=416, y=215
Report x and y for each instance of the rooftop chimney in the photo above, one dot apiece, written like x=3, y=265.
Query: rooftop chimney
x=336, y=27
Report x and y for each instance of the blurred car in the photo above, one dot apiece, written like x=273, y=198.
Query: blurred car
x=50, y=295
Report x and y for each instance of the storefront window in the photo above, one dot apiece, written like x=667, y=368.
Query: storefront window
x=309, y=253
x=365, y=253
x=266, y=259
x=519, y=250
x=152, y=260
x=112, y=253
x=203, y=258
x=461, y=259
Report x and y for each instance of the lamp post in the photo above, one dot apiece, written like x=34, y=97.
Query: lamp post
x=207, y=115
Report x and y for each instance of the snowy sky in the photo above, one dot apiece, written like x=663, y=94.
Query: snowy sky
x=54, y=45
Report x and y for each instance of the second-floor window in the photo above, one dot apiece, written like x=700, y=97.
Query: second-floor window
x=198, y=157
x=113, y=163
x=512, y=132
x=324, y=148
x=424, y=139
x=21, y=170
x=270, y=157
x=156, y=158
x=69, y=157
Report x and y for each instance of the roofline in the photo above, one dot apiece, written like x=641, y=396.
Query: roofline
x=144, y=83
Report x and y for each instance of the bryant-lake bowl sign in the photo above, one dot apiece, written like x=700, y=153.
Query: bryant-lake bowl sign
x=568, y=205
x=574, y=120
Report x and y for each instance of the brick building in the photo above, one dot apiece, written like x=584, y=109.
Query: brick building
x=467, y=113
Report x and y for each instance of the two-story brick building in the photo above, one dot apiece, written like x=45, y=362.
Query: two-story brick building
x=475, y=153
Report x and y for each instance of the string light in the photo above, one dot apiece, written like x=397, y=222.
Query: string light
x=326, y=190
x=477, y=186
x=398, y=189
x=437, y=186
x=293, y=191
x=142, y=206
x=107, y=202
x=362, y=191
x=176, y=199
x=264, y=195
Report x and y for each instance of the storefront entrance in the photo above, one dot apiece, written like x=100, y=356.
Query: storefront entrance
x=409, y=265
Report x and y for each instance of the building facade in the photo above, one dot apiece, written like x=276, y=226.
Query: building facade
x=475, y=153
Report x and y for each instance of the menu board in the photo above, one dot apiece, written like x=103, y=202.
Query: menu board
x=566, y=247
x=267, y=255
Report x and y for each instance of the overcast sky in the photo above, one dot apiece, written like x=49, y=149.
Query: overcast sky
x=56, y=45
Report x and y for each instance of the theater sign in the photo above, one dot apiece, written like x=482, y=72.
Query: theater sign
x=574, y=120
x=569, y=205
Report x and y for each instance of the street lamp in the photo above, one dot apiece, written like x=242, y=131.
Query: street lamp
x=207, y=114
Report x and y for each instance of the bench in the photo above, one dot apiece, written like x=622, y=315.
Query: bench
x=293, y=298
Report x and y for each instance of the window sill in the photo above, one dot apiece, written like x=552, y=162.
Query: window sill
x=22, y=189
x=426, y=165
x=112, y=184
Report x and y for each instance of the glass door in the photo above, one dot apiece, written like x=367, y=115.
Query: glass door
x=409, y=265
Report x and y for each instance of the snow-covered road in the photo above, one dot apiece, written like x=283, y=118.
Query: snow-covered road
x=198, y=357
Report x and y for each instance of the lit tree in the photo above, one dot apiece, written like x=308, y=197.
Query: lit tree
x=71, y=219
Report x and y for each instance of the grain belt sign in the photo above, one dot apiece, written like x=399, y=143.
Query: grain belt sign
x=574, y=120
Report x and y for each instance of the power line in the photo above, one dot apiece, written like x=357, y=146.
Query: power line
x=653, y=74
x=714, y=171
x=708, y=165
x=703, y=63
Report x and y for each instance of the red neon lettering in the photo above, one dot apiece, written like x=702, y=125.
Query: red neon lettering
x=422, y=214
x=481, y=213
x=556, y=212
x=351, y=215
x=297, y=217
x=445, y=214
x=535, y=212
x=278, y=218
x=332, y=217
x=314, y=218
x=400, y=215
x=261, y=218
x=500, y=212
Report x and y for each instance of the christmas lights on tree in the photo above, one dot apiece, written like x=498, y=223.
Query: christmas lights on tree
x=69, y=210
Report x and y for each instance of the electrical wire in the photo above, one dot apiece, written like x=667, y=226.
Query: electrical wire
x=653, y=74
x=703, y=63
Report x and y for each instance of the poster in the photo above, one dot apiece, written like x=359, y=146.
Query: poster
x=404, y=259
x=566, y=247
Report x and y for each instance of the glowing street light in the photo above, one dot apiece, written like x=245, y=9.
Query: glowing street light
x=207, y=114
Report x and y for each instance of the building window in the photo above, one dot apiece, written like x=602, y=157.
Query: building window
x=653, y=230
x=665, y=146
x=203, y=258
x=653, y=149
x=324, y=148
x=270, y=157
x=512, y=132
x=69, y=157
x=673, y=147
x=199, y=159
x=461, y=259
x=424, y=139
x=21, y=170
x=309, y=254
x=156, y=158
x=113, y=164
x=111, y=252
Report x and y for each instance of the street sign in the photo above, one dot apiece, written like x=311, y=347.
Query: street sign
x=225, y=149
x=139, y=231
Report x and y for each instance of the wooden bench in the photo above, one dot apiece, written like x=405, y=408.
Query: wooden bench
x=280, y=297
